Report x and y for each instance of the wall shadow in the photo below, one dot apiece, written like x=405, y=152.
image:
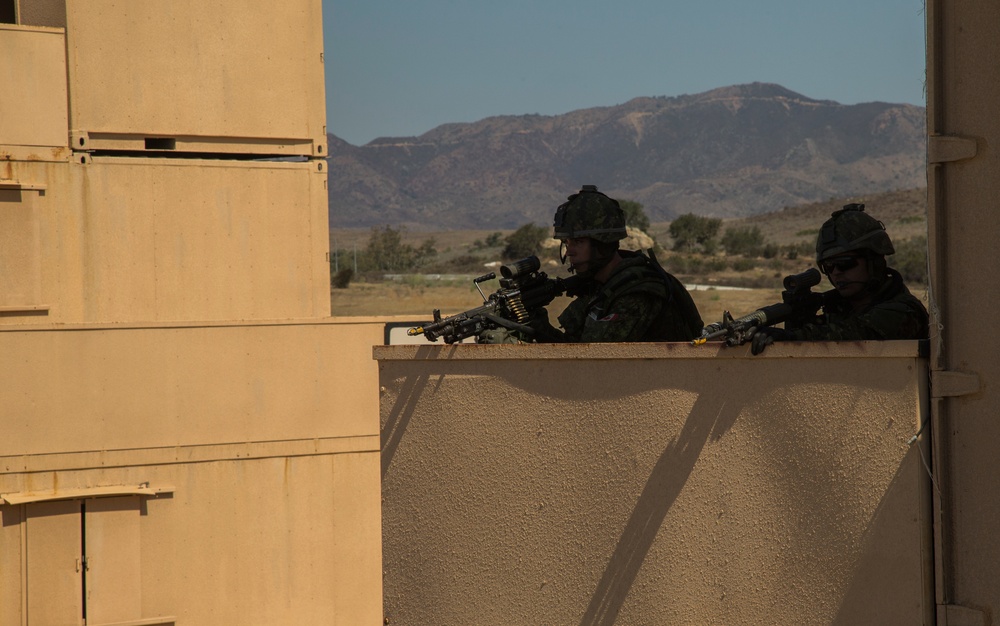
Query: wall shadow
x=710, y=417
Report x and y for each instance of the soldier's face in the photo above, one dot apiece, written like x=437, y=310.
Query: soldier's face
x=578, y=253
x=848, y=273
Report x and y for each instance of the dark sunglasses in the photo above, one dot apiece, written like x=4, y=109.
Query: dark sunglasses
x=843, y=264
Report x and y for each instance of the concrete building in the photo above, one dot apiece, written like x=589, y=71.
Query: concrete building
x=185, y=435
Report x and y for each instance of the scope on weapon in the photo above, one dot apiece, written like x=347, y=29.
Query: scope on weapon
x=520, y=269
x=523, y=290
x=801, y=282
x=797, y=302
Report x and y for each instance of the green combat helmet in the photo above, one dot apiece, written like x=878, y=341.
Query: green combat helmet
x=590, y=213
x=851, y=229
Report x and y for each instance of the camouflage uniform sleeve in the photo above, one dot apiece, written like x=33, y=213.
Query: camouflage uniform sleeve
x=572, y=318
x=628, y=319
x=889, y=320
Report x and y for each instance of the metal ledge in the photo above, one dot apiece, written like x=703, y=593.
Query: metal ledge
x=19, y=186
x=25, y=497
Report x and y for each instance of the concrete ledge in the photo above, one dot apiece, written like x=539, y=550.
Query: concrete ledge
x=473, y=352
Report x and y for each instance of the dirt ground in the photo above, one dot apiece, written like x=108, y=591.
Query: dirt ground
x=419, y=300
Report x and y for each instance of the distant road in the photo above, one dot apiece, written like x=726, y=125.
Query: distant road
x=715, y=287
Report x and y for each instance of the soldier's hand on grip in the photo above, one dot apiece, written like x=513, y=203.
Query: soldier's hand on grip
x=763, y=337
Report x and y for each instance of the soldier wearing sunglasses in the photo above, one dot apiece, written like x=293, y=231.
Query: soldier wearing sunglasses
x=868, y=301
x=625, y=295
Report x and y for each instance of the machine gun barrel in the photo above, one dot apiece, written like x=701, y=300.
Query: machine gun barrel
x=523, y=290
x=455, y=327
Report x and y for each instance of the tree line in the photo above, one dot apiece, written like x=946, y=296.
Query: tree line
x=696, y=234
x=696, y=240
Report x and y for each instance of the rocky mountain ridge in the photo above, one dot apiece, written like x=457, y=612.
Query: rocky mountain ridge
x=734, y=151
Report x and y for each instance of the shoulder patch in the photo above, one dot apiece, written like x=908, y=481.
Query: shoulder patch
x=610, y=317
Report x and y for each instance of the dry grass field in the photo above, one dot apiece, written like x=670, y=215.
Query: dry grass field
x=419, y=299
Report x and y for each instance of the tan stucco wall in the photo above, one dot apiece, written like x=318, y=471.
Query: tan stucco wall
x=654, y=484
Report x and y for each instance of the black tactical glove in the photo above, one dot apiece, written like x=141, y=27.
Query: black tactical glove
x=544, y=331
x=763, y=337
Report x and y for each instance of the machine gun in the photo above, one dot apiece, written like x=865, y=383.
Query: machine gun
x=523, y=290
x=798, y=302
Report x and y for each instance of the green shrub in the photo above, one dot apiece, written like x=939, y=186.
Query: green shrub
x=691, y=232
x=342, y=278
x=635, y=216
x=386, y=252
x=524, y=242
x=462, y=264
x=745, y=241
x=910, y=259
x=715, y=264
x=743, y=264
x=493, y=240
x=803, y=249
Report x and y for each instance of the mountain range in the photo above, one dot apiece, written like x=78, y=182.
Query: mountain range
x=730, y=152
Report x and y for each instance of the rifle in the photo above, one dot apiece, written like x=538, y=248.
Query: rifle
x=523, y=290
x=798, y=303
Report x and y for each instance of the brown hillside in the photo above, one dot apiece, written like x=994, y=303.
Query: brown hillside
x=731, y=152
x=904, y=214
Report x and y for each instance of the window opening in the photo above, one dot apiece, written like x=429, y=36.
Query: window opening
x=8, y=12
x=161, y=143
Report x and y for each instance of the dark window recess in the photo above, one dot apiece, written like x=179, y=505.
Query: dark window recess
x=7, y=13
x=83, y=553
x=161, y=143
x=51, y=13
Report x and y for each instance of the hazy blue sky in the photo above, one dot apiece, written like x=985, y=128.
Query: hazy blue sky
x=400, y=68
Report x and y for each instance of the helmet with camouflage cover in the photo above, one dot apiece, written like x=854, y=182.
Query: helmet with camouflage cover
x=590, y=213
x=851, y=229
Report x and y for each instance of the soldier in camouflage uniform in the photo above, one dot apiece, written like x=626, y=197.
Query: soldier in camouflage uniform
x=629, y=296
x=869, y=301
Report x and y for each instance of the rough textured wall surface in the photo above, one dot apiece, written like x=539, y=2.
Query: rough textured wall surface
x=653, y=484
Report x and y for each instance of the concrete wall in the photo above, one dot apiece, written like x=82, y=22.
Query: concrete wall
x=237, y=76
x=34, y=105
x=186, y=436
x=655, y=484
x=963, y=42
x=221, y=473
x=124, y=239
